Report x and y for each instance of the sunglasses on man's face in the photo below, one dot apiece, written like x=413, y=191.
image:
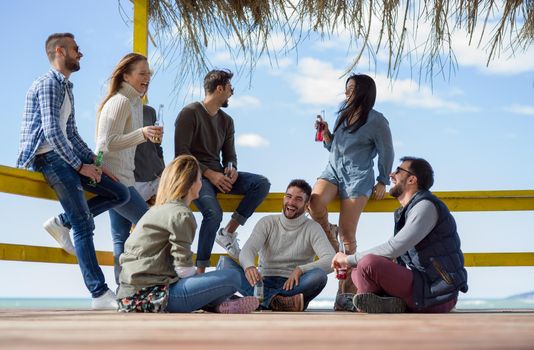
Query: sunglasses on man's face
x=399, y=169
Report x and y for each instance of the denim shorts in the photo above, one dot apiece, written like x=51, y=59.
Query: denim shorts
x=349, y=187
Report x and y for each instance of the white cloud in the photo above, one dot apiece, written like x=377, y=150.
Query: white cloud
x=222, y=57
x=409, y=93
x=245, y=101
x=520, y=109
x=274, y=64
x=251, y=141
x=318, y=83
x=505, y=64
x=467, y=54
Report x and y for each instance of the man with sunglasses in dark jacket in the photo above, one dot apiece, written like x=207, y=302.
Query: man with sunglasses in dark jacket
x=429, y=270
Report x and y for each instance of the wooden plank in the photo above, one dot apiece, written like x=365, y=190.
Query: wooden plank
x=32, y=184
x=85, y=329
x=28, y=253
x=19, y=252
x=499, y=259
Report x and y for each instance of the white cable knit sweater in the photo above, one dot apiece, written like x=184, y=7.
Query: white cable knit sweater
x=283, y=244
x=119, y=130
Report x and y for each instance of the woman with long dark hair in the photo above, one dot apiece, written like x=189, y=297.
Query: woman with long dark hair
x=119, y=129
x=360, y=134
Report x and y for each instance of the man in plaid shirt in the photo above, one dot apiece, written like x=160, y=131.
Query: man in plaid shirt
x=50, y=143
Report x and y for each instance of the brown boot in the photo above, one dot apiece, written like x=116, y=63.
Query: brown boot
x=288, y=304
x=347, y=285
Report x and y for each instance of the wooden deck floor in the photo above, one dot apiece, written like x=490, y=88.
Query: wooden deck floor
x=83, y=329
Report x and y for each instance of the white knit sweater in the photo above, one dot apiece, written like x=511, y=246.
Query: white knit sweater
x=119, y=130
x=283, y=244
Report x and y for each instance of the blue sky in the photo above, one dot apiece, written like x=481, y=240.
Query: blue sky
x=475, y=129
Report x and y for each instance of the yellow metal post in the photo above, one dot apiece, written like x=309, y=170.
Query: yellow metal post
x=140, y=32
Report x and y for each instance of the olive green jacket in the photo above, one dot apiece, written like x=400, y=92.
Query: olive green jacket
x=160, y=242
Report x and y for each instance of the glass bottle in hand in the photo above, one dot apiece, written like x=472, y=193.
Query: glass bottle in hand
x=341, y=272
x=158, y=122
x=258, y=288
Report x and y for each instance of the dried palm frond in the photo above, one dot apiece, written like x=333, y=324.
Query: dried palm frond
x=419, y=32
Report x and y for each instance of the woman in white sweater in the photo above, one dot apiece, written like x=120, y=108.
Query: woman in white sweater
x=119, y=126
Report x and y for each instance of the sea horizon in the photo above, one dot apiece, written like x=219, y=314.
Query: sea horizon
x=317, y=304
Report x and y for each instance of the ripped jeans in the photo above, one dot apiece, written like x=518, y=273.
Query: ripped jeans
x=79, y=212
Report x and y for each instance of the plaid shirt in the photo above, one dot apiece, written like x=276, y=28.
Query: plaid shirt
x=41, y=121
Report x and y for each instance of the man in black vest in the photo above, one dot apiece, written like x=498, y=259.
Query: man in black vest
x=429, y=271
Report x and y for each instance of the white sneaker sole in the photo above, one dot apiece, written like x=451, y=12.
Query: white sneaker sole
x=64, y=242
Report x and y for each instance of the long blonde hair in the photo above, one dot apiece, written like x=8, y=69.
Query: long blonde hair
x=125, y=66
x=177, y=179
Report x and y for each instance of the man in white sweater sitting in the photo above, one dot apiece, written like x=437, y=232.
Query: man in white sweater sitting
x=287, y=245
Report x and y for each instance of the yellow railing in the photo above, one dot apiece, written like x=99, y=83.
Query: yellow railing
x=32, y=184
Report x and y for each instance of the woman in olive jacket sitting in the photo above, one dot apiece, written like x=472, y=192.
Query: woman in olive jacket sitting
x=157, y=263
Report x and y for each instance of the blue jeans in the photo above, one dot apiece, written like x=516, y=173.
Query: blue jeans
x=79, y=212
x=121, y=219
x=311, y=283
x=204, y=291
x=254, y=187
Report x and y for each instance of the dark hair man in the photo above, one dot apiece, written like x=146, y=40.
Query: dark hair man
x=287, y=244
x=203, y=130
x=429, y=271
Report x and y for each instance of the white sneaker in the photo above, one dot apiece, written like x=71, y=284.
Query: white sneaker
x=229, y=242
x=107, y=301
x=60, y=233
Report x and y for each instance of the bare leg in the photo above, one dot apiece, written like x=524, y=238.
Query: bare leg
x=231, y=226
x=349, y=216
x=323, y=193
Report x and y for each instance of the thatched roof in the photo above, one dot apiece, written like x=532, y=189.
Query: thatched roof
x=419, y=32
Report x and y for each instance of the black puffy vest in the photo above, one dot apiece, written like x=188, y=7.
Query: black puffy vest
x=437, y=262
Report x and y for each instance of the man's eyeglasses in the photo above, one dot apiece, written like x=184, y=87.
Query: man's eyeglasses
x=399, y=169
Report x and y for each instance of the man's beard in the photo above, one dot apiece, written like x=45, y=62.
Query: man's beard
x=396, y=191
x=296, y=213
x=72, y=64
x=225, y=104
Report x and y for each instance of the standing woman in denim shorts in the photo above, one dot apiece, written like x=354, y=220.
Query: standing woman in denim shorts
x=360, y=134
x=119, y=129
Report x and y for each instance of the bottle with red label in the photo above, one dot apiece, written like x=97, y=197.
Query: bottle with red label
x=319, y=125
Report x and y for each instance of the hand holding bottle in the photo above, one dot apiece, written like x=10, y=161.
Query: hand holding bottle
x=99, y=161
x=230, y=172
x=322, y=134
x=159, y=123
x=153, y=133
x=341, y=269
x=258, y=287
x=253, y=275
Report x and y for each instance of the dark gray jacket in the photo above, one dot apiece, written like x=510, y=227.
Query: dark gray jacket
x=149, y=162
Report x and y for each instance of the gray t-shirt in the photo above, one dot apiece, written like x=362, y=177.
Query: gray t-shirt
x=420, y=221
x=205, y=137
